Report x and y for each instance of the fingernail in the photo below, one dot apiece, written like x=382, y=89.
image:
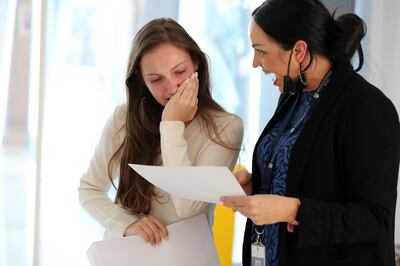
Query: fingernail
x=196, y=74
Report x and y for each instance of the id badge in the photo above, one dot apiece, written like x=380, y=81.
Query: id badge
x=257, y=254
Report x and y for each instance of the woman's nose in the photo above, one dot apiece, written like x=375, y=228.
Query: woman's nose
x=172, y=85
x=256, y=61
x=175, y=82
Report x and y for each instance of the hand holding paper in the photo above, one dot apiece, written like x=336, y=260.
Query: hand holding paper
x=202, y=183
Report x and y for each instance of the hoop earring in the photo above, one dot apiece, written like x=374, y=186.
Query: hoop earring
x=302, y=77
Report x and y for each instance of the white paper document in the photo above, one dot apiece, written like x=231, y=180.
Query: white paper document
x=190, y=243
x=203, y=183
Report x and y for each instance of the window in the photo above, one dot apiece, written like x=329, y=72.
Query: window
x=86, y=56
x=221, y=30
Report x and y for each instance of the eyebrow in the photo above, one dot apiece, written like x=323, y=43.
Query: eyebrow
x=256, y=44
x=176, y=66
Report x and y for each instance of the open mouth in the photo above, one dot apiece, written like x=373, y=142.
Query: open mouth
x=274, y=80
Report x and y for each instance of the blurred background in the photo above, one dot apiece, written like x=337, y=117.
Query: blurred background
x=62, y=69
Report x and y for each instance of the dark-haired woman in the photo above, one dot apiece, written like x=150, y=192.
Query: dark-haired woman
x=170, y=119
x=325, y=168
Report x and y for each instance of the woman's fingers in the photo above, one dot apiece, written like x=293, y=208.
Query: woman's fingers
x=151, y=230
x=144, y=232
x=245, y=181
x=162, y=228
x=243, y=177
x=192, y=88
x=183, y=104
x=155, y=231
x=186, y=85
x=235, y=201
x=181, y=88
x=266, y=208
x=243, y=204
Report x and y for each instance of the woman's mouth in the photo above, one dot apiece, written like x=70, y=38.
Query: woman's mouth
x=274, y=80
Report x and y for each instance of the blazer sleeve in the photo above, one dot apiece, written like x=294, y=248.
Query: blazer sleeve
x=174, y=152
x=370, y=161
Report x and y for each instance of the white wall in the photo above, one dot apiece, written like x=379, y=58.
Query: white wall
x=15, y=131
x=382, y=54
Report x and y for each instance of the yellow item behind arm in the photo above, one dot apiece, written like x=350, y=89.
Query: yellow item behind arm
x=223, y=229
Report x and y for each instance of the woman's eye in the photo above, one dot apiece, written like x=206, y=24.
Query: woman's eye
x=180, y=71
x=260, y=52
x=155, y=80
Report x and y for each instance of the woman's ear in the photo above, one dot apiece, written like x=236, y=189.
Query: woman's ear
x=300, y=51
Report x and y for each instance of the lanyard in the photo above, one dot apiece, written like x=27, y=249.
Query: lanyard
x=278, y=142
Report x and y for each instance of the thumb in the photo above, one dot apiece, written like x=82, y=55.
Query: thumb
x=243, y=177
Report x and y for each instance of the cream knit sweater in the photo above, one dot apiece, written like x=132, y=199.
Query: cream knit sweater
x=180, y=146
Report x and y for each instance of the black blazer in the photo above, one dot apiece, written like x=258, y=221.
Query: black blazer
x=344, y=168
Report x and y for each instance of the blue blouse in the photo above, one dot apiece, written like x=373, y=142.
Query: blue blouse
x=273, y=154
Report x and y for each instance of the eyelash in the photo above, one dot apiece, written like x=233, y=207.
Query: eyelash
x=259, y=52
x=155, y=80
x=177, y=73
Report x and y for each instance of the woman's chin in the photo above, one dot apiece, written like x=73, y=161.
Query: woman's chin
x=278, y=86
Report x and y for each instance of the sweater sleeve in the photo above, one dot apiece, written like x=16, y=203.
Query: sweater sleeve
x=370, y=171
x=174, y=152
x=95, y=183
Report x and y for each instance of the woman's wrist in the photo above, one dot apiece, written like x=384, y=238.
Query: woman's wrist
x=130, y=230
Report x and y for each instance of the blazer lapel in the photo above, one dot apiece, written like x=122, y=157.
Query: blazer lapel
x=302, y=147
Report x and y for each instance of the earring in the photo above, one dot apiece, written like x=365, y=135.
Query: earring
x=302, y=77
